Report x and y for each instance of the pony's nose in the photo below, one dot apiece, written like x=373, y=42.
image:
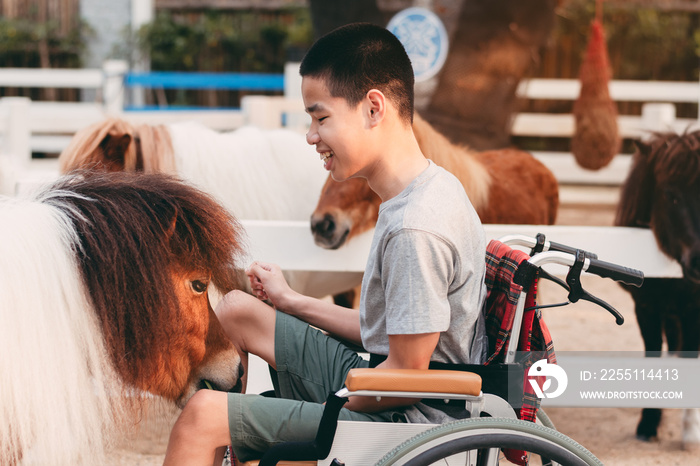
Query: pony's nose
x=323, y=227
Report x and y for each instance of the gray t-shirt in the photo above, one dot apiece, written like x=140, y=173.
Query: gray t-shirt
x=425, y=271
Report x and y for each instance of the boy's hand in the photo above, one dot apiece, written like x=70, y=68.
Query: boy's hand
x=256, y=283
x=268, y=283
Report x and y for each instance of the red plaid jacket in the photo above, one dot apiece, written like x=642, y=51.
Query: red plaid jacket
x=502, y=263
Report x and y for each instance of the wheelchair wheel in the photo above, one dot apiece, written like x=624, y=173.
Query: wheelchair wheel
x=544, y=419
x=482, y=438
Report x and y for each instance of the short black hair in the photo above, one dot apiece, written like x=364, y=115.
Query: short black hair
x=357, y=57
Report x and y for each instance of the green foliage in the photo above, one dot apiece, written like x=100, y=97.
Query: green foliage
x=20, y=38
x=643, y=43
x=224, y=40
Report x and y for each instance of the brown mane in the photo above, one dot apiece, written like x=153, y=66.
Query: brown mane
x=457, y=159
x=137, y=228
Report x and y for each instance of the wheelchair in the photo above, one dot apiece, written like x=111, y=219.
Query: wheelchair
x=505, y=424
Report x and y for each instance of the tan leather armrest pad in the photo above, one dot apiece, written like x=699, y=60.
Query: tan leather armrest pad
x=414, y=380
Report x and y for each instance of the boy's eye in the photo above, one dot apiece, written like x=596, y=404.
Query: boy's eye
x=321, y=119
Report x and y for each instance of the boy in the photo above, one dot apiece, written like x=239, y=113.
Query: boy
x=423, y=288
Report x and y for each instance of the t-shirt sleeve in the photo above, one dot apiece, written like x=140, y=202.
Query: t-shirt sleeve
x=418, y=267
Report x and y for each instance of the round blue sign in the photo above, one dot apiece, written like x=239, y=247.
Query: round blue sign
x=424, y=37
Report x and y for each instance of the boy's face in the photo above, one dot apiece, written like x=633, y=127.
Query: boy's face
x=337, y=130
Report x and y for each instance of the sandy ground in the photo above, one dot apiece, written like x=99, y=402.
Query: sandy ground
x=608, y=433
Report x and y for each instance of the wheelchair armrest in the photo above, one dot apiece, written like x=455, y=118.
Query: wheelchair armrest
x=413, y=380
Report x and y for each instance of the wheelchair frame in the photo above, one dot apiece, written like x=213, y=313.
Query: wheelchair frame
x=477, y=439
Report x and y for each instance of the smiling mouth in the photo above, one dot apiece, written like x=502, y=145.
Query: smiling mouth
x=325, y=157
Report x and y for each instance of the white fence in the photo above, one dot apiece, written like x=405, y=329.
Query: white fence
x=290, y=245
x=658, y=114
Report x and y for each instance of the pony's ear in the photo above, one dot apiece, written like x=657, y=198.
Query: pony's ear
x=637, y=192
x=114, y=148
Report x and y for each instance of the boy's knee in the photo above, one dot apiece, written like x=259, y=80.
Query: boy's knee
x=205, y=414
x=234, y=306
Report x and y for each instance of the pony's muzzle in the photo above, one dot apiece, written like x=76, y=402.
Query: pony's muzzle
x=213, y=385
x=327, y=233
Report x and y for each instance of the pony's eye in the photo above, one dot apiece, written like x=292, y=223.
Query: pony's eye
x=198, y=286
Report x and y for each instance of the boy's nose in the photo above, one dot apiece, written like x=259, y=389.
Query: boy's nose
x=312, y=137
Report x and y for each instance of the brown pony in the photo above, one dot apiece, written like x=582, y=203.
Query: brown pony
x=505, y=186
x=662, y=192
x=105, y=296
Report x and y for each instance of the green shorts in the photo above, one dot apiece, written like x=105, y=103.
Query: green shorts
x=310, y=365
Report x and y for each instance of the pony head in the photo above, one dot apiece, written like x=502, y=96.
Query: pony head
x=662, y=192
x=149, y=247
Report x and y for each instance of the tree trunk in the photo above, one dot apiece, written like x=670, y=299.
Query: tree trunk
x=327, y=15
x=495, y=44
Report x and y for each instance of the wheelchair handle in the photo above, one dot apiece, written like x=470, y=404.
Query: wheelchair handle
x=539, y=243
x=616, y=272
x=596, y=266
x=553, y=246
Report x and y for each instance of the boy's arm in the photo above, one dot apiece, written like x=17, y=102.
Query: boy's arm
x=405, y=352
x=340, y=322
x=267, y=282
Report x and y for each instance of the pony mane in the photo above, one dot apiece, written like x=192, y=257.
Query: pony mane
x=141, y=227
x=116, y=144
x=667, y=158
x=155, y=149
x=456, y=159
x=52, y=403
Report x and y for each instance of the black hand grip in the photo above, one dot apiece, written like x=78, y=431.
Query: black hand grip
x=568, y=249
x=618, y=273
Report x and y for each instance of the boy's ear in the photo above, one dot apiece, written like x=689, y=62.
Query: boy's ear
x=376, y=103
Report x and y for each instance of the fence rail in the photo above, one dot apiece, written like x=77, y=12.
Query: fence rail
x=48, y=126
